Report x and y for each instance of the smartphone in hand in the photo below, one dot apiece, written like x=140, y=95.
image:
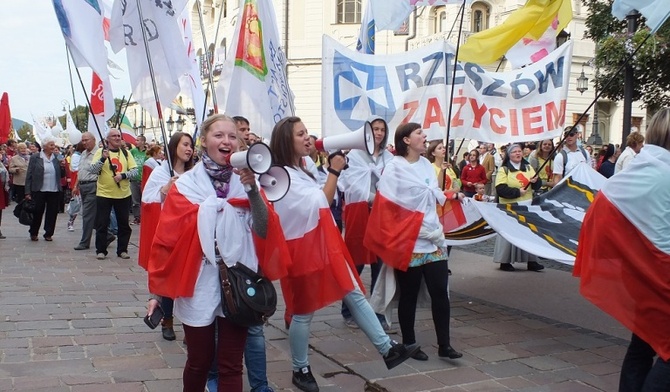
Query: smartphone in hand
x=155, y=318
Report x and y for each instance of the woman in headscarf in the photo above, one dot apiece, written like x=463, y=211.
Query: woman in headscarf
x=512, y=181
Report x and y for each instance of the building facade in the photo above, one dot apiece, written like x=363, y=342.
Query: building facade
x=302, y=23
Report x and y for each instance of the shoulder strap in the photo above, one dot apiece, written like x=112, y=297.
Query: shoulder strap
x=586, y=157
x=565, y=161
x=226, y=288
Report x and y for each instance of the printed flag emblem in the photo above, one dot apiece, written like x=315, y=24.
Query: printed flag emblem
x=360, y=89
x=250, y=53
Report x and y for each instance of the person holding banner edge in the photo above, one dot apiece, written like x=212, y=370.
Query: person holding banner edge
x=512, y=182
x=319, y=275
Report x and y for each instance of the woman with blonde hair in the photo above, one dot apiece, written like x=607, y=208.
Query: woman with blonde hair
x=208, y=218
x=446, y=176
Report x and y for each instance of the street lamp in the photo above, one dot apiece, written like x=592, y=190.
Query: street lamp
x=65, y=103
x=583, y=85
x=169, y=124
x=180, y=123
x=582, y=82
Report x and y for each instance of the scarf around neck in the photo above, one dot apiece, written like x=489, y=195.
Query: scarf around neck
x=218, y=174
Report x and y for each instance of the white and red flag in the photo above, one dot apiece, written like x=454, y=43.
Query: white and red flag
x=321, y=272
x=623, y=257
x=356, y=183
x=194, y=222
x=404, y=217
x=253, y=81
x=151, y=210
x=169, y=54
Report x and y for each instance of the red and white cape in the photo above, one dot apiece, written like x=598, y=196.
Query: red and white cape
x=623, y=257
x=321, y=272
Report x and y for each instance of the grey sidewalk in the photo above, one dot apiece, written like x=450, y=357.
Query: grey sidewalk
x=73, y=323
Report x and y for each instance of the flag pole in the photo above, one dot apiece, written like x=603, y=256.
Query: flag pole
x=153, y=85
x=453, y=75
x=204, y=113
x=95, y=121
x=595, y=100
x=118, y=112
x=126, y=108
x=69, y=67
x=463, y=139
x=210, y=75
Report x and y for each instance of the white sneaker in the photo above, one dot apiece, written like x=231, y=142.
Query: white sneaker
x=70, y=228
x=100, y=256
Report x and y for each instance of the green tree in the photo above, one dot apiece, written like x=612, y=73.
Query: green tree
x=26, y=133
x=614, y=44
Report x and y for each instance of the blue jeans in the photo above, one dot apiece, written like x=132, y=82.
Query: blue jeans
x=361, y=311
x=640, y=373
x=374, y=274
x=254, y=360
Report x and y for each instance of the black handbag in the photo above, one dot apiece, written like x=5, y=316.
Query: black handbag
x=24, y=211
x=247, y=298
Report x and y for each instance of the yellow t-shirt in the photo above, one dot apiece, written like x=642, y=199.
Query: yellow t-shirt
x=106, y=185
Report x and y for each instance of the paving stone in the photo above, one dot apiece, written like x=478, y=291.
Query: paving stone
x=412, y=382
x=545, y=362
x=492, y=353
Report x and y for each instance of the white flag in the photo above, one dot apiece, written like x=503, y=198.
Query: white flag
x=190, y=82
x=169, y=56
x=81, y=23
x=253, y=83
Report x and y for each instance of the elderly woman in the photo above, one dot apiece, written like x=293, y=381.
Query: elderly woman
x=512, y=187
x=43, y=186
x=18, y=167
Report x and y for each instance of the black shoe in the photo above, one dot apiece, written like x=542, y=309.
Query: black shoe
x=399, y=353
x=304, y=380
x=448, y=352
x=168, y=329
x=110, y=239
x=80, y=247
x=535, y=266
x=507, y=267
x=420, y=356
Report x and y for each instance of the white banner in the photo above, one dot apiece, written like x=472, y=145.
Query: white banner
x=498, y=107
x=550, y=226
x=253, y=83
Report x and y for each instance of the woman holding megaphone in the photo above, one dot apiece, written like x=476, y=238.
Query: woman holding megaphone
x=209, y=218
x=322, y=270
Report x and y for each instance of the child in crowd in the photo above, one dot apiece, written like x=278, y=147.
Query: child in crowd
x=480, y=194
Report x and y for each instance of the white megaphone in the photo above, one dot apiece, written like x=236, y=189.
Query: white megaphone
x=363, y=139
x=257, y=158
x=275, y=183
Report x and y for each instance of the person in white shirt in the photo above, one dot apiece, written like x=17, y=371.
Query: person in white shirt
x=634, y=143
x=570, y=156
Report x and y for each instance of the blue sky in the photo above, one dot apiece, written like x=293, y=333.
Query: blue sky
x=33, y=64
